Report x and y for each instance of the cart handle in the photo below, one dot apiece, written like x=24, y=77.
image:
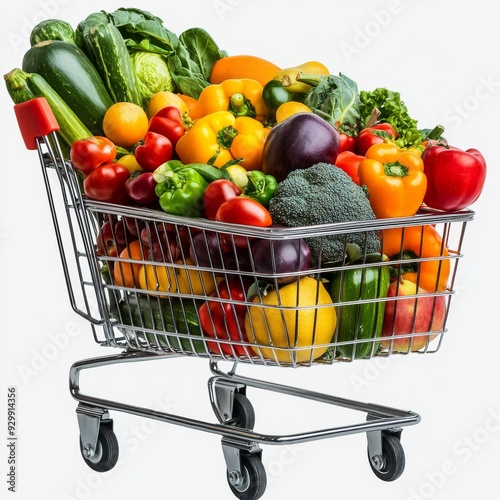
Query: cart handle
x=35, y=119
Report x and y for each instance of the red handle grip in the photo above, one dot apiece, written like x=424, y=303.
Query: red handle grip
x=35, y=119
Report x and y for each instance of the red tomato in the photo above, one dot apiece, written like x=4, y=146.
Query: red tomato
x=247, y=211
x=107, y=183
x=216, y=193
x=241, y=210
x=92, y=152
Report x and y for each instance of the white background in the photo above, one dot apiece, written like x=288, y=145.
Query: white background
x=442, y=56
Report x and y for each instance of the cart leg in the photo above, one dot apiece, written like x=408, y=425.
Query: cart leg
x=246, y=474
x=98, y=443
x=230, y=403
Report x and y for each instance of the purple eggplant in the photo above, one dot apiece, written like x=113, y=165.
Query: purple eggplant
x=300, y=141
x=272, y=257
x=208, y=250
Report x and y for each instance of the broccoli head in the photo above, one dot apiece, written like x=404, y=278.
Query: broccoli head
x=324, y=194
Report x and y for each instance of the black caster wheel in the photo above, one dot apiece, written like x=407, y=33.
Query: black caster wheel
x=243, y=412
x=252, y=482
x=107, y=450
x=393, y=458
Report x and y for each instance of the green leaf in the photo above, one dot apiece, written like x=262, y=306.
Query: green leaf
x=336, y=99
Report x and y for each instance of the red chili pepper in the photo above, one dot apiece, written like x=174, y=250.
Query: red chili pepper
x=455, y=178
x=153, y=150
x=374, y=135
x=225, y=319
x=168, y=122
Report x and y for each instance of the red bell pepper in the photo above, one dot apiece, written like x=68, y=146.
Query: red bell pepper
x=375, y=134
x=224, y=319
x=455, y=178
x=349, y=163
x=168, y=122
x=154, y=150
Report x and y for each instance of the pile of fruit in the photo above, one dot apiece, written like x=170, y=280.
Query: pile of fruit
x=175, y=124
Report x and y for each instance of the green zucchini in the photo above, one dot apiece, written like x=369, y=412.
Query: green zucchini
x=364, y=318
x=105, y=46
x=24, y=86
x=71, y=74
x=167, y=317
x=52, y=29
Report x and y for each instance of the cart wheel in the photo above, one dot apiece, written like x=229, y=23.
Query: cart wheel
x=243, y=412
x=393, y=458
x=252, y=482
x=106, y=454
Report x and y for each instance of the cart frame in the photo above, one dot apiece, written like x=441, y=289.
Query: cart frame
x=227, y=390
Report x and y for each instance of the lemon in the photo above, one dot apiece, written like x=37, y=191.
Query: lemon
x=290, y=317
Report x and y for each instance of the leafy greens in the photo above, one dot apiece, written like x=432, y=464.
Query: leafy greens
x=189, y=57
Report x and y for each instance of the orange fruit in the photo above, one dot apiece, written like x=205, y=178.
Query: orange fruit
x=125, y=123
x=163, y=99
x=125, y=273
x=243, y=66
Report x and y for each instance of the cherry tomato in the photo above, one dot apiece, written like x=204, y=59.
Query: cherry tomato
x=153, y=150
x=216, y=193
x=89, y=153
x=107, y=183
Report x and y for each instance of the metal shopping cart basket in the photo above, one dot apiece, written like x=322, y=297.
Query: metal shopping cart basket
x=193, y=288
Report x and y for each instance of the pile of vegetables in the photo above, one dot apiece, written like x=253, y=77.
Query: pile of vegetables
x=303, y=147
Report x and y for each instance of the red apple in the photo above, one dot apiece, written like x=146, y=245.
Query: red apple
x=412, y=315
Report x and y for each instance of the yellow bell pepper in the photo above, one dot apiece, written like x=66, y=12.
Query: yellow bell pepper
x=242, y=97
x=395, y=180
x=225, y=137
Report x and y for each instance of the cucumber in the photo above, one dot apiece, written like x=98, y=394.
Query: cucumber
x=104, y=45
x=72, y=75
x=361, y=320
x=166, y=317
x=24, y=86
x=52, y=29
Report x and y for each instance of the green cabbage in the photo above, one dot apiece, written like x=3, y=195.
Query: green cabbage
x=152, y=73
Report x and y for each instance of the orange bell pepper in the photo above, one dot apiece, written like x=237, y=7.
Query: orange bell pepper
x=419, y=242
x=395, y=180
x=222, y=136
x=241, y=97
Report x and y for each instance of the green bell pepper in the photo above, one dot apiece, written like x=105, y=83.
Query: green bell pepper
x=364, y=318
x=275, y=94
x=180, y=190
x=260, y=187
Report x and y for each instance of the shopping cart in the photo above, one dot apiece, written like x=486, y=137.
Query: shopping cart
x=173, y=297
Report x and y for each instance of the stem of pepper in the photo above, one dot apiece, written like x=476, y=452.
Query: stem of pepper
x=396, y=169
x=226, y=135
x=239, y=105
